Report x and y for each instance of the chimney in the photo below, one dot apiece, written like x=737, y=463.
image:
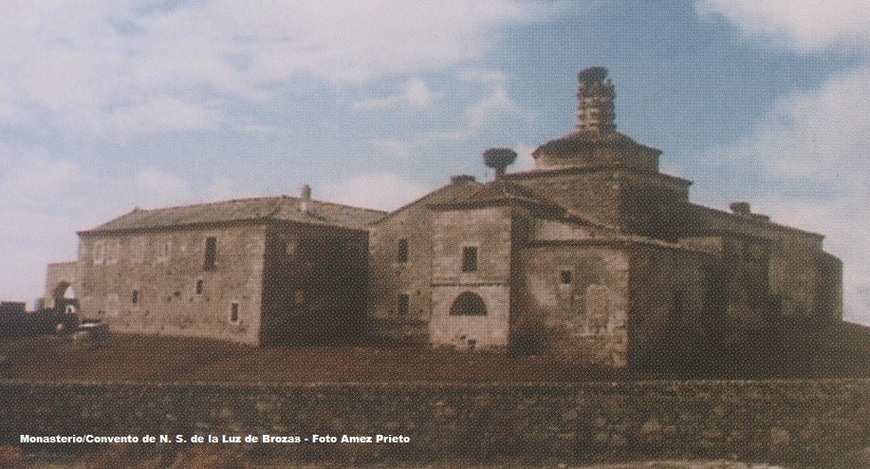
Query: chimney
x=595, y=109
x=306, y=198
x=740, y=208
x=499, y=159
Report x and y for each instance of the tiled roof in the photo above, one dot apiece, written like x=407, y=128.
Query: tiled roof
x=495, y=192
x=278, y=208
x=461, y=187
x=581, y=140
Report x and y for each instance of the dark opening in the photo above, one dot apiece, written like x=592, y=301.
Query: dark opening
x=135, y=298
x=469, y=259
x=210, y=253
x=468, y=304
x=566, y=276
x=200, y=284
x=403, y=250
x=234, y=312
x=404, y=304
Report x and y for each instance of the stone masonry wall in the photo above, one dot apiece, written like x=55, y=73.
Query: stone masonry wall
x=773, y=421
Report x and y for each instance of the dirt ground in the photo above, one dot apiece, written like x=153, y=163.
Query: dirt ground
x=165, y=359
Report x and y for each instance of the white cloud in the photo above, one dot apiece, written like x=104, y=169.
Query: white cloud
x=158, y=188
x=395, y=148
x=807, y=26
x=813, y=148
x=417, y=95
x=162, y=114
x=223, y=188
x=496, y=104
x=483, y=76
x=385, y=191
x=116, y=67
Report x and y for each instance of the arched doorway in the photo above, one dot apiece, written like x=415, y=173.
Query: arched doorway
x=468, y=304
x=64, y=298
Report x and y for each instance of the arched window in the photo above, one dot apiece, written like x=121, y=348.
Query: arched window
x=468, y=304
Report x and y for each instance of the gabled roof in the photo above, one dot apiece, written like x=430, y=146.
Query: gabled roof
x=499, y=192
x=259, y=209
x=459, y=187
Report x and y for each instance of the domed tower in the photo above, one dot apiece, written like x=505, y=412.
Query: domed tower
x=595, y=142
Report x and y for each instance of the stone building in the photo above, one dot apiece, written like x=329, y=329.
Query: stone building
x=593, y=255
x=258, y=271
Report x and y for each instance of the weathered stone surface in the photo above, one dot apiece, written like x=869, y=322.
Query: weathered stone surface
x=762, y=420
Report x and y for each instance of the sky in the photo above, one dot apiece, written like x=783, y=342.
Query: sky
x=110, y=105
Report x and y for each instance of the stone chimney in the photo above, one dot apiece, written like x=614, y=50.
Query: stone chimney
x=740, y=208
x=596, y=108
x=304, y=204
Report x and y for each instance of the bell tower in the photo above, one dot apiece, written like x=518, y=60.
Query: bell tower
x=595, y=109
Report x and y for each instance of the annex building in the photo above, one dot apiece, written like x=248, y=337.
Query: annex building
x=594, y=255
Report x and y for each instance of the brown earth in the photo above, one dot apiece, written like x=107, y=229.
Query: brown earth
x=842, y=353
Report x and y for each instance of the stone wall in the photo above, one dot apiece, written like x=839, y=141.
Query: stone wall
x=809, y=421
x=576, y=296
x=156, y=282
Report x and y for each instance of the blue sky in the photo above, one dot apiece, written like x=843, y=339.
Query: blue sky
x=109, y=105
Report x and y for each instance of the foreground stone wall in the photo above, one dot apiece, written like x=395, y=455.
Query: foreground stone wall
x=773, y=421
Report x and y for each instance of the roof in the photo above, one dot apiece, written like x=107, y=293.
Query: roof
x=460, y=186
x=259, y=209
x=498, y=192
x=583, y=139
x=731, y=223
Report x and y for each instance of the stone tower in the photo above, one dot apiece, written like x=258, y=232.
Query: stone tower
x=595, y=111
x=595, y=143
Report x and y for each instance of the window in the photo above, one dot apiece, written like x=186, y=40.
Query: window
x=135, y=298
x=210, y=253
x=468, y=304
x=291, y=247
x=469, y=259
x=200, y=286
x=99, y=251
x=164, y=250
x=403, y=250
x=113, y=250
x=234, y=312
x=565, y=277
x=404, y=304
x=138, y=251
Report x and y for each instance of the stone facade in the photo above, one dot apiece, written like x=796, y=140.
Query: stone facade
x=594, y=256
x=255, y=271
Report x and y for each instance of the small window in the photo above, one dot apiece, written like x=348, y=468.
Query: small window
x=404, y=304
x=200, y=286
x=113, y=250
x=291, y=247
x=99, y=251
x=138, y=251
x=469, y=259
x=234, y=312
x=566, y=276
x=210, y=253
x=468, y=304
x=403, y=250
x=164, y=250
x=135, y=298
